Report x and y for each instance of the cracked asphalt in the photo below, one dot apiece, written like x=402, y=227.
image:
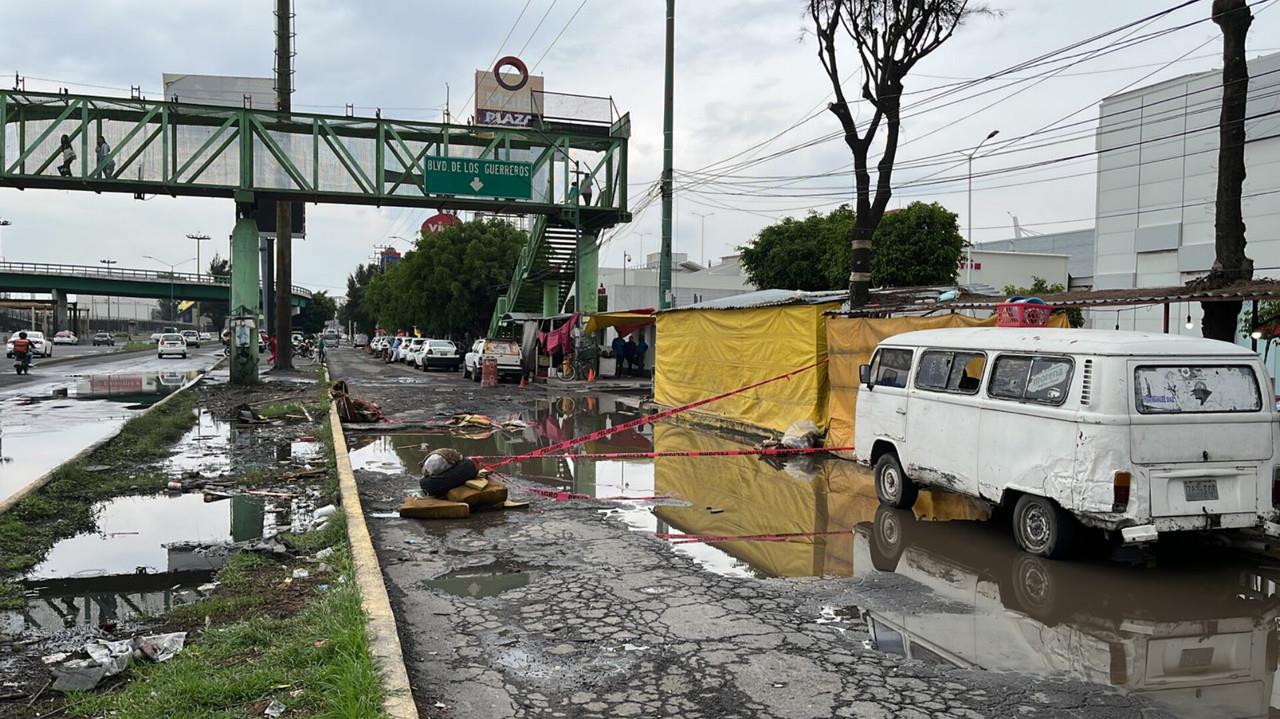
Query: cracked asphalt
x=563, y=611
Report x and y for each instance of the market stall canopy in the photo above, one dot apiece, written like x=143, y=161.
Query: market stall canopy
x=626, y=321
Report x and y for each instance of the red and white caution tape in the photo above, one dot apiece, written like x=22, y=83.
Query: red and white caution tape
x=642, y=421
x=763, y=452
x=777, y=537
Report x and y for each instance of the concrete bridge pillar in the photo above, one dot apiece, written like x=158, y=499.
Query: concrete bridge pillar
x=59, y=320
x=246, y=308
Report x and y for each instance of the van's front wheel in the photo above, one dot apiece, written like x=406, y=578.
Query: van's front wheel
x=893, y=487
x=1043, y=528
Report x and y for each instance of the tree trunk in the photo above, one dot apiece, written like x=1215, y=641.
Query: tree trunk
x=860, y=260
x=1233, y=17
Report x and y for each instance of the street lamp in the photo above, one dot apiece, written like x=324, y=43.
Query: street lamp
x=626, y=258
x=969, y=251
x=108, y=263
x=704, y=216
x=198, y=237
x=173, y=311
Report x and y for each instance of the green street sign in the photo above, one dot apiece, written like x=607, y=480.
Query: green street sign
x=483, y=178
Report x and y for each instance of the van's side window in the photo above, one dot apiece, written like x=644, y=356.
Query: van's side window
x=942, y=371
x=891, y=367
x=1044, y=380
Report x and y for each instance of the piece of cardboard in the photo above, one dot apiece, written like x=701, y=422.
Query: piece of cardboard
x=494, y=492
x=432, y=508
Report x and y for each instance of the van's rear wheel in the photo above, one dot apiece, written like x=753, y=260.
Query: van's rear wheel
x=1043, y=528
x=893, y=487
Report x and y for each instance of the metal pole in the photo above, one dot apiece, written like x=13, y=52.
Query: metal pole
x=3, y=224
x=968, y=278
x=284, y=216
x=703, y=216
x=664, y=260
x=108, y=263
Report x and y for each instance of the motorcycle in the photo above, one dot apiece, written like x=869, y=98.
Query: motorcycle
x=22, y=362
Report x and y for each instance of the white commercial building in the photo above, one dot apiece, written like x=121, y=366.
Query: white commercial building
x=1017, y=269
x=1157, y=183
x=636, y=287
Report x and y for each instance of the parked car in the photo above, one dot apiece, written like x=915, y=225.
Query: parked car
x=104, y=338
x=171, y=344
x=65, y=337
x=507, y=353
x=192, y=337
x=408, y=350
x=441, y=354
x=1131, y=433
x=359, y=339
x=40, y=346
x=331, y=338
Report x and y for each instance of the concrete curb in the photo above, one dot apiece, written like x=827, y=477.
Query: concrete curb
x=384, y=639
x=35, y=484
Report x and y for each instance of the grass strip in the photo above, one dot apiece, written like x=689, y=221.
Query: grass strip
x=64, y=507
x=315, y=661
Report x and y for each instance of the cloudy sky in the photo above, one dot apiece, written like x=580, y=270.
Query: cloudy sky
x=752, y=141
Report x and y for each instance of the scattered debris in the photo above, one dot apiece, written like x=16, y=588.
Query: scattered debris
x=274, y=709
x=107, y=659
x=354, y=409
x=245, y=413
x=301, y=573
x=802, y=434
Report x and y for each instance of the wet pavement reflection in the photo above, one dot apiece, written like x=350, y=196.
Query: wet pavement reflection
x=1191, y=627
x=43, y=425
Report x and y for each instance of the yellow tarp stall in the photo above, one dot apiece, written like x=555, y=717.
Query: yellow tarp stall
x=602, y=320
x=850, y=342
x=705, y=352
x=745, y=496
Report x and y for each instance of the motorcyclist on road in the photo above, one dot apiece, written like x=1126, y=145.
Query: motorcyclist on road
x=22, y=349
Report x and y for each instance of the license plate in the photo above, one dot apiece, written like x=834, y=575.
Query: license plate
x=1201, y=490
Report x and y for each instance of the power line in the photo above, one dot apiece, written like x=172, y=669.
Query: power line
x=568, y=22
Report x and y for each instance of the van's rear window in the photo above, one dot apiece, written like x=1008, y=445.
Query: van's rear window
x=1196, y=389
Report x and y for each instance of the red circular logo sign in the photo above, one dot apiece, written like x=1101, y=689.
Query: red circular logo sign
x=516, y=64
x=437, y=222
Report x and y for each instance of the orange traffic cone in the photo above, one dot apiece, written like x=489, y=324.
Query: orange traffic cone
x=523, y=382
x=591, y=375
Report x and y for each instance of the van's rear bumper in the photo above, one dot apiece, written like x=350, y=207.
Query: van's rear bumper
x=1149, y=532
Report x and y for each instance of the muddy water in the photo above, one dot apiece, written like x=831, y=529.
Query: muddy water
x=1190, y=627
x=213, y=448
x=43, y=425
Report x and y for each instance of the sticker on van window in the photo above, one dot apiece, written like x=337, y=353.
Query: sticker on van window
x=1046, y=375
x=1196, y=389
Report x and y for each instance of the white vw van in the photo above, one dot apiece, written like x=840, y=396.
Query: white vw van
x=1126, y=432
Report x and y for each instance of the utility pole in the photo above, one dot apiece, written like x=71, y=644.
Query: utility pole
x=664, y=261
x=198, y=237
x=109, y=263
x=3, y=223
x=284, y=218
x=703, y=216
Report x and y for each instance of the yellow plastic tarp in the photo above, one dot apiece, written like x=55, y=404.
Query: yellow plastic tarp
x=850, y=342
x=745, y=496
x=703, y=353
x=598, y=322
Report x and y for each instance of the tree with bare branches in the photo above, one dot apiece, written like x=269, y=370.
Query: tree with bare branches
x=890, y=36
x=1230, y=263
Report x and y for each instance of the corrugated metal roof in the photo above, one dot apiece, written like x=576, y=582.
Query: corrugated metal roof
x=1262, y=289
x=767, y=298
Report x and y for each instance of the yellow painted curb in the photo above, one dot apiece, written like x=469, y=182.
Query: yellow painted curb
x=384, y=641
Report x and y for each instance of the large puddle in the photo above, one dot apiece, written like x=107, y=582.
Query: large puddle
x=1191, y=628
x=44, y=425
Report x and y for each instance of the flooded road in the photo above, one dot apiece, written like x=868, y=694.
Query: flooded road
x=61, y=410
x=1191, y=628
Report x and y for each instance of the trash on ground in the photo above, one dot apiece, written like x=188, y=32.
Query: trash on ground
x=301, y=573
x=432, y=508
x=354, y=409
x=247, y=414
x=107, y=659
x=274, y=709
x=802, y=435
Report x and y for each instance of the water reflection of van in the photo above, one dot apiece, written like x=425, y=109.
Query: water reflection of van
x=1133, y=433
x=1198, y=638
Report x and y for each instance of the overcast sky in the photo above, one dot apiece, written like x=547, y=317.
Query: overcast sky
x=745, y=71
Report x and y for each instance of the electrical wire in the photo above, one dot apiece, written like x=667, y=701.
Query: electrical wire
x=567, y=23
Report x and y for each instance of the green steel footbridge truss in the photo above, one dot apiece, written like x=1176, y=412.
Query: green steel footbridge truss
x=250, y=156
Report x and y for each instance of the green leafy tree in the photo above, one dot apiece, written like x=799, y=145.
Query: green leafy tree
x=809, y=254
x=1040, y=287
x=315, y=313
x=915, y=246
x=448, y=285
x=219, y=266
x=354, y=312
x=918, y=245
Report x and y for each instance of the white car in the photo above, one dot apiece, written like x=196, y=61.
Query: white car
x=506, y=351
x=192, y=337
x=440, y=353
x=155, y=336
x=65, y=337
x=206, y=336
x=41, y=347
x=409, y=350
x=171, y=344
